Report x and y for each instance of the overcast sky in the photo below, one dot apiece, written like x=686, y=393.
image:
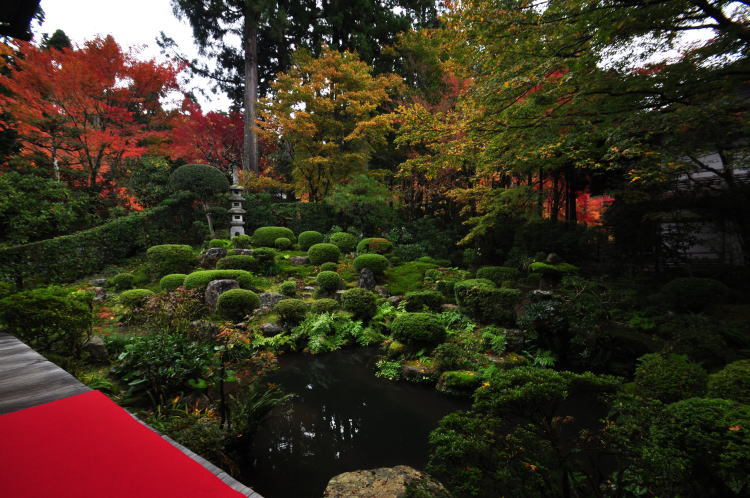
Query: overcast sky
x=135, y=23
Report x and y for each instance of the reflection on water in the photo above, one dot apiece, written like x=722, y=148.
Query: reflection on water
x=343, y=418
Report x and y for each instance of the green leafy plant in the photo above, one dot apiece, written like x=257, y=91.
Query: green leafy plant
x=390, y=370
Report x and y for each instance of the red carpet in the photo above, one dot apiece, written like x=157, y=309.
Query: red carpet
x=87, y=446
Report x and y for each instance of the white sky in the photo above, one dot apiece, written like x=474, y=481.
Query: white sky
x=135, y=23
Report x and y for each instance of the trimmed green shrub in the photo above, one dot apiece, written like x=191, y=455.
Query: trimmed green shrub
x=483, y=301
x=374, y=245
x=694, y=294
x=50, y=320
x=329, y=266
x=731, y=382
x=360, y=302
x=328, y=281
x=549, y=270
x=135, y=297
x=241, y=241
x=282, y=243
x=458, y=382
x=447, y=287
x=235, y=304
x=288, y=288
x=323, y=253
x=170, y=258
x=265, y=255
x=266, y=236
x=200, y=279
x=291, y=311
x=309, y=238
x=168, y=283
x=219, y=243
x=375, y=262
x=451, y=356
x=417, y=301
x=247, y=263
x=498, y=274
x=122, y=281
x=418, y=329
x=669, y=378
x=325, y=306
x=345, y=241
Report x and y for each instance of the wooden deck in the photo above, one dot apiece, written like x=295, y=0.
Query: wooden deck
x=28, y=379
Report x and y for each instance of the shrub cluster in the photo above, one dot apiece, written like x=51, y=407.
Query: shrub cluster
x=242, y=241
x=485, y=302
x=264, y=255
x=122, y=281
x=325, y=306
x=266, y=236
x=374, y=245
x=693, y=294
x=669, y=378
x=219, y=243
x=374, y=262
x=282, y=243
x=241, y=262
x=235, y=304
x=418, y=300
x=288, y=288
x=309, y=238
x=345, y=241
x=731, y=382
x=323, y=253
x=328, y=281
x=329, y=266
x=168, y=283
x=291, y=311
x=360, y=302
x=200, y=279
x=498, y=274
x=170, y=258
x=418, y=329
x=135, y=297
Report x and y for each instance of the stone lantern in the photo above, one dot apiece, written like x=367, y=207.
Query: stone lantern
x=237, y=220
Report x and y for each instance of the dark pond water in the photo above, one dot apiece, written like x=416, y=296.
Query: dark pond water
x=343, y=418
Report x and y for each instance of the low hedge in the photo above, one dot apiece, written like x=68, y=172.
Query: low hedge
x=376, y=245
x=291, y=311
x=323, y=253
x=266, y=236
x=282, y=243
x=329, y=267
x=168, y=283
x=329, y=281
x=345, y=241
x=309, y=238
x=242, y=241
x=359, y=302
x=418, y=300
x=247, y=263
x=418, y=329
x=170, y=258
x=487, y=303
x=498, y=274
x=122, y=281
x=200, y=279
x=235, y=304
x=135, y=297
x=375, y=262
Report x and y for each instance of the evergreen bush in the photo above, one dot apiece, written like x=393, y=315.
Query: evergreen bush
x=669, y=378
x=291, y=311
x=122, y=281
x=498, y=274
x=483, y=301
x=374, y=245
x=135, y=297
x=360, y=302
x=324, y=306
x=282, y=243
x=346, y=242
x=329, y=267
x=375, y=262
x=731, y=382
x=288, y=288
x=460, y=382
x=266, y=236
x=418, y=329
x=235, y=304
x=694, y=294
x=170, y=258
x=241, y=241
x=168, y=283
x=200, y=279
x=219, y=243
x=418, y=300
x=247, y=263
x=309, y=238
x=323, y=253
x=328, y=281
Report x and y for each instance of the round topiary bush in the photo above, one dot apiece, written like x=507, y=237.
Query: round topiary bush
x=241, y=241
x=418, y=329
x=247, y=263
x=122, y=281
x=235, y=304
x=731, y=382
x=694, y=294
x=282, y=243
x=487, y=303
x=170, y=258
x=325, y=306
x=266, y=236
x=461, y=382
x=265, y=255
x=323, y=253
x=329, y=267
x=309, y=238
x=135, y=297
x=328, y=281
x=374, y=245
x=168, y=283
x=498, y=274
x=221, y=243
x=360, y=302
x=375, y=262
x=419, y=300
x=291, y=311
x=288, y=288
x=669, y=378
x=345, y=241
x=200, y=279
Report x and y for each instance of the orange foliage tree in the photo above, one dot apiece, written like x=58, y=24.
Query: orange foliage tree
x=84, y=111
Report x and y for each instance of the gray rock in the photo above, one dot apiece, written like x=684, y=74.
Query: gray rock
x=96, y=349
x=99, y=294
x=337, y=295
x=385, y=482
x=242, y=252
x=394, y=300
x=366, y=279
x=308, y=288
x=537, y=295
x=299, y=260
x=270, y=329
x=211, y=256
x=449, y=307
x=215, y=288
x=269, y=299
x=98, y=282
x=381, y=291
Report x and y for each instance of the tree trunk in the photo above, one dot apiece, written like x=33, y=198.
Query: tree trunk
x=208, y=219
x=250, y=138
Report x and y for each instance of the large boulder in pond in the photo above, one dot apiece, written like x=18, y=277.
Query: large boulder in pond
x=385, y=482
x=211, y=256
x=216, y=288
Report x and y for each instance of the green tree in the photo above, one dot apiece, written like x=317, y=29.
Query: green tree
x=364, y=203
x=204, y=181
